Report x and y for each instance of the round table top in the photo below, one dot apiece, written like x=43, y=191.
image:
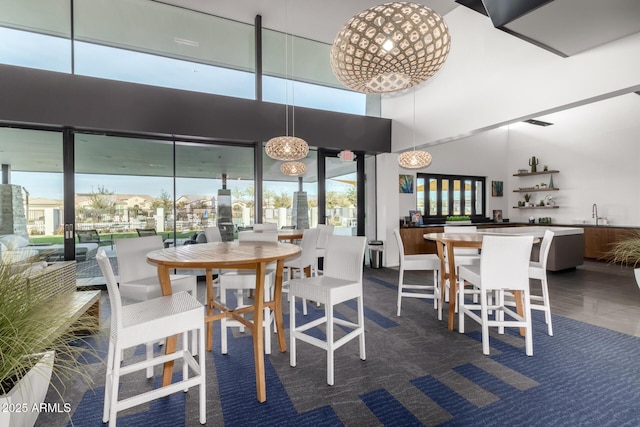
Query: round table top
x=222, y=254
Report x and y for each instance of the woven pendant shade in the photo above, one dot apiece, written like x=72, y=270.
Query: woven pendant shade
x=390, y=47
x=287, y=148
x=414, y=159
x=293, y=168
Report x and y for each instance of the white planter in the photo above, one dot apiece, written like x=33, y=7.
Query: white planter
x=19, y=408
x=637, y=273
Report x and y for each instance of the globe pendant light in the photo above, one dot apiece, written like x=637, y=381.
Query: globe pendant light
x=390, y=47
x=414, y=159
x=287, y=147
x=293, y=168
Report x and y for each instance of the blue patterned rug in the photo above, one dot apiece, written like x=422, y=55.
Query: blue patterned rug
x=417, y=373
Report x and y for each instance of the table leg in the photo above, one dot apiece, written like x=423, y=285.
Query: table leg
x=277, y=295
x=171, y=342
x=258, y=332
x=210, y=296
x=453, y=284
x=517, y=295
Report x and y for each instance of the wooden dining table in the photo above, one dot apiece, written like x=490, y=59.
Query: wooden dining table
x=230, y=255
x=449, y=241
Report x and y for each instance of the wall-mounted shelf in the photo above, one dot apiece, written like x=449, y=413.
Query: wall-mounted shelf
x=536, y=207
x=535, y=173
x=527, y=190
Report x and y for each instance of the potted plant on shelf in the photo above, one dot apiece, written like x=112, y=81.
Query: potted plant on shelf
x=34, y=331
x=627, y=252
x=527, y=197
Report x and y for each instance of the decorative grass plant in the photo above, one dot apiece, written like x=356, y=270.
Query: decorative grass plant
x=30, y=326
x=626, y=251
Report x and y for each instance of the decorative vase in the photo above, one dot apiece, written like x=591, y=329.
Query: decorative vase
x=551, y=181
x=534, y=164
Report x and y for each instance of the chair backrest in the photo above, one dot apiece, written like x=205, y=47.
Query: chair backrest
x=396, y=233
x=308, y=245
x=545, y=246
x=88, y=236
x=114, y=292
x=143, y=232
x=132, y=257
x=326, y=230
x=265, y=226
x=212, y=234
x=344, y=257
x=258, y=236
x=504, y=262
x=462, y=229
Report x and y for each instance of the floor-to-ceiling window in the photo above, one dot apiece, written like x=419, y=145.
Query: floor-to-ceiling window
x=205, y=175
x=32, y=194
x=341, y=195
x=279, y=193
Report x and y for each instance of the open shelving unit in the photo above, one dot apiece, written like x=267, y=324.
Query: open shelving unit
x=534, y=189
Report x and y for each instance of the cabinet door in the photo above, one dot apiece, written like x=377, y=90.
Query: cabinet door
x=596, y=242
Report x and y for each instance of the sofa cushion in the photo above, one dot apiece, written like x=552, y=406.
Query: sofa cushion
x=14, y=241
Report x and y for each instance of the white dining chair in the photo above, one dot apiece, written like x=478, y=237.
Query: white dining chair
x=267, y=226
x=326, y=230
x=143, y=322
x=463, y=256
x=538, y=271
x=418, y=262
x=504, y=266
x=241, y=280
x=139, y=280
x=341, y=282
x=305, y=260
x=212, y=234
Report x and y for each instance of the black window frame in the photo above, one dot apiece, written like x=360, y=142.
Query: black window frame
x=426, y=213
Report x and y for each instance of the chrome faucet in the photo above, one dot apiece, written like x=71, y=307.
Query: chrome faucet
x=594, y=213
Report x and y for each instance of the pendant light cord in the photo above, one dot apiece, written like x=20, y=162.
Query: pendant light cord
x=414, y=118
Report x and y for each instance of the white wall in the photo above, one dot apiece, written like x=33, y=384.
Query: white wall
x=595, y=147
x=493, y=78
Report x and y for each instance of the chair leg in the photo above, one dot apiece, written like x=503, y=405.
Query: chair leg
x=149, y=346
x=203, y=380
x=292, y=330
x=547, y=304
x=400, y=283
x=240, y=303
x=484, y=317
x=115, y=384
x=499, y=299
x=185, y=366
x=108, y=382
x=330, y=348
x=460, y=310
x=528, y=339
x=363, y=351
x=223, y=323
x=266, y=320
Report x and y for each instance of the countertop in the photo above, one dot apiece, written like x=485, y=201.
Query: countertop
x=534, y=230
